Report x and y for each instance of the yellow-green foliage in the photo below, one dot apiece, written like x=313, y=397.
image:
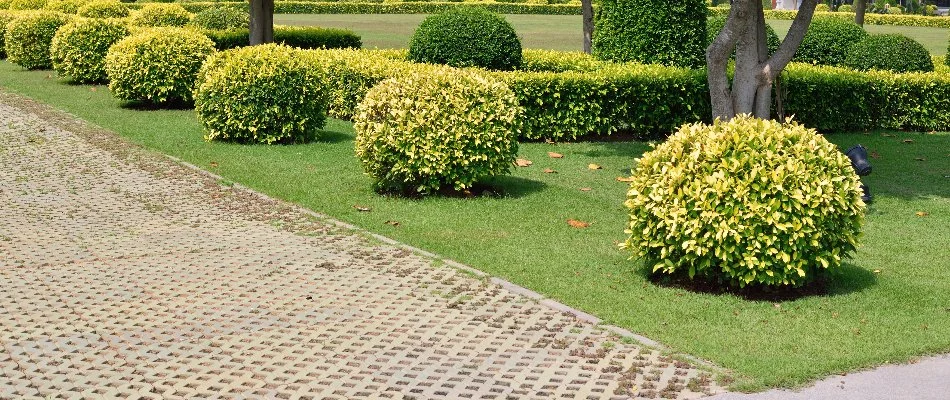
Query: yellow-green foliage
x=27, y=39
x=536, y=60
x=5, y=4
x=104, y=9
x=27, y=4
x=822, y=7
x=442, y=128
x=64, y=6
x=744, y=202
x=79, y=48
x=261, y=94
x=162, y=14
x=157, y=65
x=352, y=73
x=5, y=18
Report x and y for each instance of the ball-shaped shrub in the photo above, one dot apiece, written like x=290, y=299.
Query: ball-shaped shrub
x=822, y=7
x=104, y=9
x=828, y=41
x=221, y=18
x=436, y=129
x=157, y=65
x=845, y=8
x=466, y=37
x=5, y=18
x=744, y=202
x=670, y=33
x=27, y=4
x=79, y=48
x=64, y=6
x=28, y=38
x=261, y=94
x=716, y=23
x=160, y=14
x=892, y=52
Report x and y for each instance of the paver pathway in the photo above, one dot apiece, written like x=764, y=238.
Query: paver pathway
x=126, y=275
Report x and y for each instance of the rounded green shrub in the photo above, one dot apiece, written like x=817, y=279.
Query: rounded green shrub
x=716, y=23
x=261, y=94
x=673, y=34
x=28, y=38
x=161, y=14
x=27, y=4
x=104, y=9
x=845, y=8
x=744, y=202
x=891, y=52
x=436, y=129
x=79, y=48
x=828, y=41
x=5, y=18
x=822, y=7
x=158, y=65
x=5, y=4
x=466, y=37
x=64, y=6
x=221, y=18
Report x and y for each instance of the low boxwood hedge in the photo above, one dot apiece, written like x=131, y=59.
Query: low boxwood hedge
x=302, y=37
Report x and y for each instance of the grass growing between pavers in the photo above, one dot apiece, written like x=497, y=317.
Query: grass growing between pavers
x=889, y=304
x=553, y=32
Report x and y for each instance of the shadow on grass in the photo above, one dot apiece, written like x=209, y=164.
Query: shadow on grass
x=848, y=278
x=141, y=105
x=506, y=187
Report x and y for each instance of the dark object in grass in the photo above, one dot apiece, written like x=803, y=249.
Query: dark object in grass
x=859, y=160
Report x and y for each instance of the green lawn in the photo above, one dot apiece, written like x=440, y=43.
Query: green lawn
x=889, y=304
x=555, y=32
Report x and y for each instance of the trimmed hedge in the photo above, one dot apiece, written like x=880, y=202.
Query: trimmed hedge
x=79, y=48
x=466, y=37
x=637, y=30
x=302, y=37
x=744, y=202
x=27, y=4
x=157, y=65
x=104, y=9
x=892, y=52
x=5, y=18
x=28, y=38
x=64, y=6
x=221, y=18
x=160, y=14
x=828, y=41
x=261, y=94
x=305, y=7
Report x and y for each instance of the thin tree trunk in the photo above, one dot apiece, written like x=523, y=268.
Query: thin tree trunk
x=262, y=22
x=587, y=8
x=859, y=7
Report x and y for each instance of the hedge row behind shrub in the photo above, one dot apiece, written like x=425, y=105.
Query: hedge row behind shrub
x=637, y=30
x=305, y=7
x=302, y=37
x=892, y=52
x=104, y=9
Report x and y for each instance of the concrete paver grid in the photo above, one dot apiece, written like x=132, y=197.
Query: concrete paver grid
x=125, y=275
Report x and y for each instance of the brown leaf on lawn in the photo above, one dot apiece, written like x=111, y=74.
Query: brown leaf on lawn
x=624, y=179
x=921, y=159
x=887, y=135
x=555, y=155
x=908, y=140
x=213, y=164
x=877, y=271
x=577, y=224
x=522, y=162
x=594, y=166
x=585, y=189
x=921, y=213
x=549, y=171
x=874, y=154
x=393, y=223
x=92, y=89
x=362, y=208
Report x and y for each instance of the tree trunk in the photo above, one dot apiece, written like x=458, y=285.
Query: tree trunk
x=587, y=8
x=860, y=6
x=262, y=22
x=755, y=71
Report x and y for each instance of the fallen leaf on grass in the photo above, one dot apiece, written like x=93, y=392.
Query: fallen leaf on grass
x=908, y=140
x=577, y=224
x=393, y=223
x=555, y=155
x=887, y=135
x=921, y=159
x=877, y=271
x=92, y=89
x=594, y=166
x=362, y=208
x=213, y=164
x=874, y=154
x=585, y=189
x=522, y=162
x=921, y=213
x=624, y=179
x=549, y=171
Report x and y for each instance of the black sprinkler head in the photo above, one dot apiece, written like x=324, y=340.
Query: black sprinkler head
x=866, y=194
x=859, y=160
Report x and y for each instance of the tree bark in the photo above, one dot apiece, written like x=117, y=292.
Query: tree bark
x=860, y=6
x=587, y=8
x=755, y=71
x=262, y=22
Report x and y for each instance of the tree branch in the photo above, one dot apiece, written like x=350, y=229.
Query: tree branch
x=717, y=60
x=785, y=52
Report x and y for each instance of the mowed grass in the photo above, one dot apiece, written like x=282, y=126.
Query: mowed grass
x=889, y=304
x=554, y=32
